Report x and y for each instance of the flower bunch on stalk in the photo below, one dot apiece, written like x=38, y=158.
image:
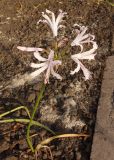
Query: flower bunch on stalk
x=50, y=64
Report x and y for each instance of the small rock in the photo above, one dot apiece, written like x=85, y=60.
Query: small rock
x=57, y=153
x=11, y=158
x=53, y=101
x=8, y=18
x=78, y=154
x=4, y=146
x=36, y=87
x=23, y=145
x=72, y=102
x=31, y=97
x=43, y=133
x=45, y=156
x=25, y=156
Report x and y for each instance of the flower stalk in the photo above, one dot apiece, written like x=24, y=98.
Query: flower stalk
x=40, y=95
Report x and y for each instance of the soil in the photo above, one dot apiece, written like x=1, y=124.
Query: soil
x=68, y=106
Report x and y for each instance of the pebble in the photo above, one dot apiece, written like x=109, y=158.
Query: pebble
x=57, y=153
x=23, y=145
x=36, y=87
x=11, y=158
x=31, y=97
x=72, y=102
x=4, y=146
x=45, y=157
x=78, y=154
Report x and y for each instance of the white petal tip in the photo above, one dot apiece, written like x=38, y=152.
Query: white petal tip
x=72, y=72
x=21, y=48
x=89, y=77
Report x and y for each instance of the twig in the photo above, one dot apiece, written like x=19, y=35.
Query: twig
x=48, y=140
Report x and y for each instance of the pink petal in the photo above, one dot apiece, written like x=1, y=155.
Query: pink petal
x=34, y=65
x=51, y=55
x=60, y=17
x=47, y=19
x=29, y=49
x=57, y=62
x=88, y=54
x=38, y=72
x=77, y=68
x=55, y=74
x=47, y=74
x=84, y=56
x=48, y=11
x=86, y=72
x=39, y=57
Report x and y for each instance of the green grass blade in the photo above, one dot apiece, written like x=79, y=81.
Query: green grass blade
x=27, y=121
x=15, y=109
x=112, y=4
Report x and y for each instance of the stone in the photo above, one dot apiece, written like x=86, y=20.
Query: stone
x=103, y=140
x=11, y=158
x=4, y=146
x=31, y=97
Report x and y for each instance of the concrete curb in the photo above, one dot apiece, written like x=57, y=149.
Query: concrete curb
x=103, y=141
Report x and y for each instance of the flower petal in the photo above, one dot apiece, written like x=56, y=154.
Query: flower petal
x=47, y=19
x=48, y=72
x=55, y=74
x=77, y=68
x=86, y=72
x=48, y=11
x=82, y=37
x=29, y=49
x=39, y=57
x=57, y=62
x=83, y=29
x=60, y=17
x=52, y=22
x=51, y=55
x=38, y=72
x=34, y=65
x=88, y=54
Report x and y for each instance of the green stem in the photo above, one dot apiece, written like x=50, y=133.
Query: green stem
x=13, y=110
x=111, y=3
x=64, y=50
x=32, y=116
x=27, y=121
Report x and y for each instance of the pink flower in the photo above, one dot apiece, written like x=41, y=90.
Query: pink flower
x=84, y=55
x=53, y=23
x=89, y=55
x=47, y=64
x=82, y=37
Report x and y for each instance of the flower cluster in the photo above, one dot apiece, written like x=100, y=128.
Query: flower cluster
x=53, y=23
x=49, y=65
x=83, y=38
